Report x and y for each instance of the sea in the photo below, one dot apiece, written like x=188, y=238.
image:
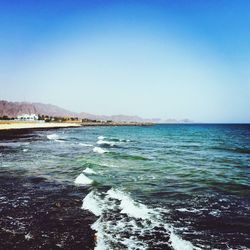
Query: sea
x=167, y=186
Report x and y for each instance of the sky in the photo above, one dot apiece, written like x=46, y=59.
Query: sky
x=156, y=59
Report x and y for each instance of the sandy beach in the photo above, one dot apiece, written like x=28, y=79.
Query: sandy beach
x=10, y=125
x=7, y=125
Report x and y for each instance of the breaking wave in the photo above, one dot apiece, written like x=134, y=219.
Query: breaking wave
x=88, y=171
x=125, y=223
x=85, y=144
x=106, y=143
x=83, y=180
x=53, y=137
x=99, y=150
x=101, y=137
x=118, y=155
x=109, y=141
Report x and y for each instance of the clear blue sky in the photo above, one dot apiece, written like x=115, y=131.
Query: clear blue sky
x=167, y=59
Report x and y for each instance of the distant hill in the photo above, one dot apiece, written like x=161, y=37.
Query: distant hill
x=13, y=109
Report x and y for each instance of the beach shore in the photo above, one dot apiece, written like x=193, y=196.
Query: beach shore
x=7, y=125
x=10, y=125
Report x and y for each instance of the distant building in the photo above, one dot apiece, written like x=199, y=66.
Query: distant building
x=27, y=117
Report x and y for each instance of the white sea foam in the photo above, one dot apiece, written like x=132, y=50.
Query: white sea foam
x=25, y=150
x=53, y=137
x=100, y=235
x=192, y=210
x=92, y=203
x=83, y=180
x=103, y=142
x=101, y=137
x=85, y=144
x=120, y=215
x=179, y=244
x=59, y=140
x=124, y=140
x=129, y=206
x=28, y=236
x=89, y=171
x=99, y=150
x=215, y=213
x=95, y=204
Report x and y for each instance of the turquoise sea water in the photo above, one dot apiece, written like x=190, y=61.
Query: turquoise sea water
x=153, y=187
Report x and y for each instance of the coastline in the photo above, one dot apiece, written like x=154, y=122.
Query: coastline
x=32, y=125
x=16, y=125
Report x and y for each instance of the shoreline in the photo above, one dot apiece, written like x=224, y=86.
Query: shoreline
x=17, y=125
x=34, y=125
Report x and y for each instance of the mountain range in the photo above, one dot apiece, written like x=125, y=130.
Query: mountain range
x=13, y=109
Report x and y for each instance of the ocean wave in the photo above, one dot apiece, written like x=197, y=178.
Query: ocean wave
x=106, y=143
x=88, y=171
x=83, y=180
x=85, y=144
x=118, y=155
x=93, y=203
x=118, y=140
x=128, y=206
x=56, y=138
x=93, y=164
x=125, y=223
x=53, y=137
x=111, y=140
x=242, y=150
x=101, y=137
x=124, y=140
x=99, y=150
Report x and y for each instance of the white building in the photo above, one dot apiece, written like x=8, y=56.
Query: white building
x=27, y=117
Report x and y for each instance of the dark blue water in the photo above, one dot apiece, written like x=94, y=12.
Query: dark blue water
x=156, y=187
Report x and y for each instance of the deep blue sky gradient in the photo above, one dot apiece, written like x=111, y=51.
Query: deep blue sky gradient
x=152, y=58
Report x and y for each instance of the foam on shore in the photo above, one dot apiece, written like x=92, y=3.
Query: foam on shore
x=83, y=180
x=126, y=223
x=179, y=244
x=92, y=203
x=129, y=206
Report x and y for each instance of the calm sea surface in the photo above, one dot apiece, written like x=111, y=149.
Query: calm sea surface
x=156, y=187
